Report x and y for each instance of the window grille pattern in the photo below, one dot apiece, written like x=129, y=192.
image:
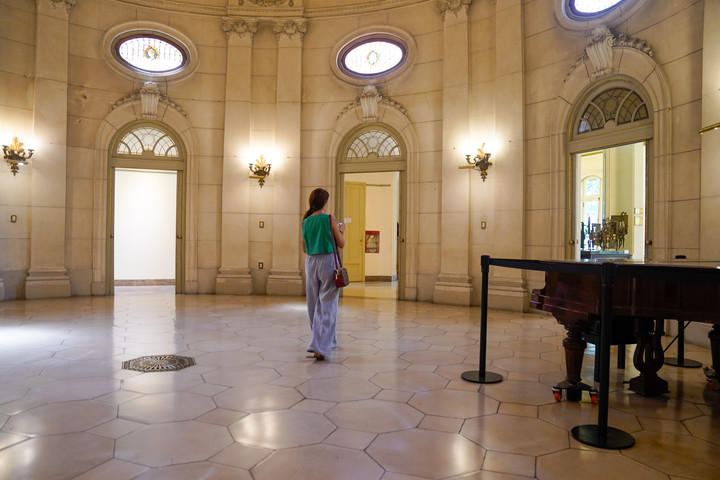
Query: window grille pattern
x=147, y=140
x=620, y=105
x=373, y=142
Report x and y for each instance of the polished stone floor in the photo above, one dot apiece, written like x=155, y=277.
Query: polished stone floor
x=388, y=404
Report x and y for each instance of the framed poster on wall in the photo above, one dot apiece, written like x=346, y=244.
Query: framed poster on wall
x=372, y=241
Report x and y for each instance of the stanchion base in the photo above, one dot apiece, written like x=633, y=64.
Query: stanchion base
x=475, y=377
x=683, y=362
x=611, y=438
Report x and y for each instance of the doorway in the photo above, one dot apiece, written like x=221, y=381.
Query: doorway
x=145, y=218
x=371, y=211
x=146, y=201
x=610, y=202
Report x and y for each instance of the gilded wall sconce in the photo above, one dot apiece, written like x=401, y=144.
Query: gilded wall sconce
x=260, y=170
x=480, y=162
x=16, y=155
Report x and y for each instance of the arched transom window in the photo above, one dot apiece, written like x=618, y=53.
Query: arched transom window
x=616, y=106
x=147, y=140
x=373, y=144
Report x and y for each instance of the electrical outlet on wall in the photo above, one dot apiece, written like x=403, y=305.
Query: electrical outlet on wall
x=260, y=265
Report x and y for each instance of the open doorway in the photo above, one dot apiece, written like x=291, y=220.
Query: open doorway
x=144, y=233
x=610, y=188
x=371, y=211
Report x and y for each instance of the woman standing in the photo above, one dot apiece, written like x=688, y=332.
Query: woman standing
x=319, y=230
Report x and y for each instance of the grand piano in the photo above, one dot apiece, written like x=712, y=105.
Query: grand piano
x=607, y=297
x=644, y=294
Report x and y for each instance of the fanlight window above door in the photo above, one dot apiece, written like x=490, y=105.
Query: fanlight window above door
x=147, y=141
x=373, y=144
x=616, y=106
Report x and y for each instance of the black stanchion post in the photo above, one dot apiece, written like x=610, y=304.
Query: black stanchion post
x=481, y=376
x=601, y=435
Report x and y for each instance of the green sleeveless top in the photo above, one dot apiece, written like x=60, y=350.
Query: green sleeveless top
x=317, y=235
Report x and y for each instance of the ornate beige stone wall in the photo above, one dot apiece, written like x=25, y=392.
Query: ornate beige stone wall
x=503, y=72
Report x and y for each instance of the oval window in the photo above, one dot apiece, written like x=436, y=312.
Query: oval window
x=592, y=8
x=371, y=57
x=151, y=54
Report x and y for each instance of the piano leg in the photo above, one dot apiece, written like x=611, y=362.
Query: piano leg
x=648, y=358
x=574, y=345
x=712, y=373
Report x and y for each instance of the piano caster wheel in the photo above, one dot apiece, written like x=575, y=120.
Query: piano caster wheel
x=557, y=394
x=594, y=397
x=714, y=384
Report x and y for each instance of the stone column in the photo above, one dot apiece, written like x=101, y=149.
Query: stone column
x=48, y=277
x=234, y=275
x=454, y=284
x=285, y=277
x=710, y=140
x=507, y=287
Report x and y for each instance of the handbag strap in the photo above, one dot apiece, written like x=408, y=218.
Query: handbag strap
x=337, y=255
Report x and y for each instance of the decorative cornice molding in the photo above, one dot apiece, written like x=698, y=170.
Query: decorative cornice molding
x=147, y=94
x=239, y=26
x=623, y=40
x=453, y=6
x=268, y=3
x=68, y=4
x=599, y=50
x=369, y=100
x=292, y=28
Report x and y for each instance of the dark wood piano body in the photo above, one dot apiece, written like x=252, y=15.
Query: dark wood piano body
x=643, y=294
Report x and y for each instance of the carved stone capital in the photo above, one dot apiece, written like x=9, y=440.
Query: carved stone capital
x=291, y=28
x=239, y=26
x=453, y=6
x=68, y=4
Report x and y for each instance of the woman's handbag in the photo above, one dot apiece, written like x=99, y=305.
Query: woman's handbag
x=340, y=274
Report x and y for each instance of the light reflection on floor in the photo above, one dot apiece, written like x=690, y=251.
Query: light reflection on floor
x=371, y=290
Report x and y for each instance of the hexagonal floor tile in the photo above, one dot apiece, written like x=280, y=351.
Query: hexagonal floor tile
x=258, y=398
x=166, y=407
x=318, y=462
x=172, y=443
x=64, y=417
x=513, y=434
x=281, y=429
x=426, y=453
x=376, y=416
x=454, y=403
x=338, y=389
